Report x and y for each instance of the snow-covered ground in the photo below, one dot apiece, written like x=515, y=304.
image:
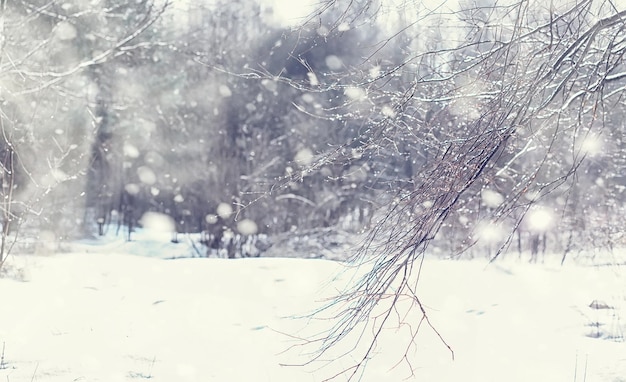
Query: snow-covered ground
x=115, y=311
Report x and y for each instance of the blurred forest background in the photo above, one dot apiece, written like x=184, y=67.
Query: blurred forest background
x=237, y=125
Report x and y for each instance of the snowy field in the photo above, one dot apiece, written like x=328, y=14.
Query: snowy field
x=114, y=311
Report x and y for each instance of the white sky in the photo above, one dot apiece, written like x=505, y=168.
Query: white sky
x=289, y=12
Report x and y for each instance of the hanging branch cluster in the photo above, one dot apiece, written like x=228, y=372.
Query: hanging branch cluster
x=513, y=76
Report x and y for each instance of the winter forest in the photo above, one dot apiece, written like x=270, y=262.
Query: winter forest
x=489, y=124
x=388, y=135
